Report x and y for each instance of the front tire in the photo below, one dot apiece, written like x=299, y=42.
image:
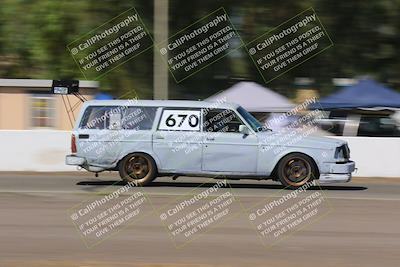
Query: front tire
x=138, y=168
x=295, y=170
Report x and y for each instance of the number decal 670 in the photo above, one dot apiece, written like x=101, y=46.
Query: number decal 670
x=186, y=120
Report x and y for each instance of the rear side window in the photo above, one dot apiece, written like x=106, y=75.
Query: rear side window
x=118, y=117
x=138, y=118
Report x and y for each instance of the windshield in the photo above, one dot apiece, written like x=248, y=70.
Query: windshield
x=254, y=123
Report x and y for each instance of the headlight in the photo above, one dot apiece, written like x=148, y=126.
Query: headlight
x=342, y=153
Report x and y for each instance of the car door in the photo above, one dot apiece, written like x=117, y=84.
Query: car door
x=177, y=140
x=225, y=149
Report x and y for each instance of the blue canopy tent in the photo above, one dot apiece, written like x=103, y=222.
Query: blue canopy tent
x=366, y=93
x=103, y=96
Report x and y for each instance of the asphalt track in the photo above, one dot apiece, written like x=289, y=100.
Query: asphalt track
x=361, y=229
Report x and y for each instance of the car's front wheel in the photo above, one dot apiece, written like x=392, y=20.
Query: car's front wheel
x=139, y=168
x=295, y=170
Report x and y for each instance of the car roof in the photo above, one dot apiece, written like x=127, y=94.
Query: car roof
x=163, y=103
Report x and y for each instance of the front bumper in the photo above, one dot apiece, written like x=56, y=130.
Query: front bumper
x=74, y=160
x=338, y=173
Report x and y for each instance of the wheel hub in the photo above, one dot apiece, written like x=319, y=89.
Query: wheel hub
x=137, y=167
x=297, y=171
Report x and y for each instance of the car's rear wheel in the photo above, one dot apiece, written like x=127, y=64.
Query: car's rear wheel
x=139, y=168
x=295, y=170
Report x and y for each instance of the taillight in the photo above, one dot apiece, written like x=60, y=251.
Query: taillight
x=73, y=144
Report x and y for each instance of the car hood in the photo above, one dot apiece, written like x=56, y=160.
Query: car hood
x=295, y=138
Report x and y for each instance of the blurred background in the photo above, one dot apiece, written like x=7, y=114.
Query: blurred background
x=366, y=37
x=356, y=81
x=354, y=85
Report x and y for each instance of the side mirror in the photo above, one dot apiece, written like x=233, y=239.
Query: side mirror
x=244, y=130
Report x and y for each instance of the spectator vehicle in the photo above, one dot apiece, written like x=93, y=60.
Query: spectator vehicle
x=371, y=123
x=149, y=138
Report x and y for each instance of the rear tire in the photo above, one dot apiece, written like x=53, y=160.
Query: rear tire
x=295, y=170
x=138, y=168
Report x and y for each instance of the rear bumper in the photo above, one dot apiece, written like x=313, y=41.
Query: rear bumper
x=82, y=162
x=338, y=173
x=74, y=160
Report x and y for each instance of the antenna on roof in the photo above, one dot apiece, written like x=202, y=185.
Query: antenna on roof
x=65, y=88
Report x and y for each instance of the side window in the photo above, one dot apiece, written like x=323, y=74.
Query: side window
x=180, y=120
x=95, y=117
x=118, y=117
x=138, y=118
x=221, y=120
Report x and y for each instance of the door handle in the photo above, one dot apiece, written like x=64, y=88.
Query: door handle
x=210, y=138
x=83, y=136
x=158, y=136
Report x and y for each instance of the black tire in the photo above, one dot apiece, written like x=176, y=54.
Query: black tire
x=295, y=170
x=138, y=168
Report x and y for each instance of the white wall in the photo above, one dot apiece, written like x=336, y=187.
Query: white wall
x=375, y=156
x=34, y=150
x=45, y=150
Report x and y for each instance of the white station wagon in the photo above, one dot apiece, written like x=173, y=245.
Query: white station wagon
x=149, y=138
